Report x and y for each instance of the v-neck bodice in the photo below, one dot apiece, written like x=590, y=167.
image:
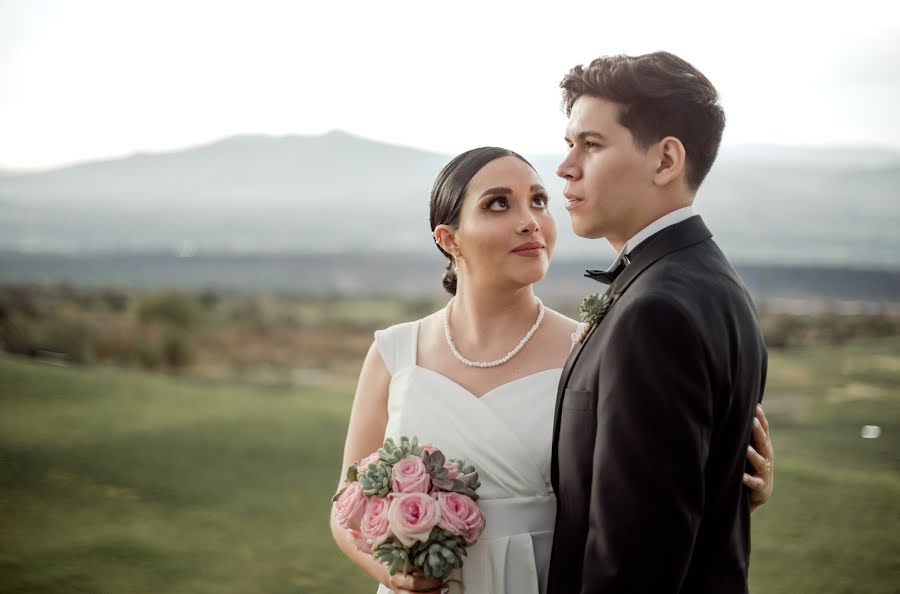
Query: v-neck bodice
x=506, y=434
x=496, y=428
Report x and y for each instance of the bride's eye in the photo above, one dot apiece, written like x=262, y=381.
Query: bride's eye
x=540, y=200
x=497, y=205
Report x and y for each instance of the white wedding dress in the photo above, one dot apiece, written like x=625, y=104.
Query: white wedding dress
x=506, y=434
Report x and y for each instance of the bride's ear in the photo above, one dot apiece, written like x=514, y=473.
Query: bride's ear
x=445, y=238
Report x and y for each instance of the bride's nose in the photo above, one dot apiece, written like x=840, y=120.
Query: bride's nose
x=528, y=225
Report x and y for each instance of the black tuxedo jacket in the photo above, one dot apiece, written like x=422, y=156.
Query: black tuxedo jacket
x=653, y=419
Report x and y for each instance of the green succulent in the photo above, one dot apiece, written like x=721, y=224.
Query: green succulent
x=440, y=476
x=392, y=452
x=468, y=475
x=466, y=482
x=393, y=554
x=594, y=308
x=440, y=555
x=376, y=480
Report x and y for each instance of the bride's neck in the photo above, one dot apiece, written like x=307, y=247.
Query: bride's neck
x=484, y=317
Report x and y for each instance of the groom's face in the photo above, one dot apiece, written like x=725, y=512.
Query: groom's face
x=609, y=180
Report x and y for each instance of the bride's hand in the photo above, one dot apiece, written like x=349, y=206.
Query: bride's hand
x=414, y=584
x=762, y=457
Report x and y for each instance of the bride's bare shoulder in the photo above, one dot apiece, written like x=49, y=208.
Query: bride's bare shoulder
x=432, y=324
x=558, y=318
x=560, y=324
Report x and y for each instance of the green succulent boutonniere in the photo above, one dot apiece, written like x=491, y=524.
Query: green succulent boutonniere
x=593, y=310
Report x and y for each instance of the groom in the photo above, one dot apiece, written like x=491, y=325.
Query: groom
x=655, y=405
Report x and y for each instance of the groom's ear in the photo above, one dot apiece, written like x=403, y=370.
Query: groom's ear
x=670, y=156
x=445, y=238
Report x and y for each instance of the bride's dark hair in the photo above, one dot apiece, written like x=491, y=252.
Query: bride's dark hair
x=450, y=189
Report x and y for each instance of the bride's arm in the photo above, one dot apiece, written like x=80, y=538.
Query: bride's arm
x=365, y=434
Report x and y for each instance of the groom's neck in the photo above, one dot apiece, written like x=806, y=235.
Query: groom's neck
x=618, y=238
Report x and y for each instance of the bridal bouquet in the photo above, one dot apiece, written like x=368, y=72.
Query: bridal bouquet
x=411, y=508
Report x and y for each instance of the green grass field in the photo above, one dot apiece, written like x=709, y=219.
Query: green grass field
x=125, y=482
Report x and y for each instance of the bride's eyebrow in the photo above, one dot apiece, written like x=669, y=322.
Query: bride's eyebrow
x=491, y=191
x=500, y=190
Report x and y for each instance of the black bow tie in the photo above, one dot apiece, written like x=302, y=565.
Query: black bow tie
x=608, y=276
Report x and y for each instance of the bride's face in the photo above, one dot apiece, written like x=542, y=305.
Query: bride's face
x=506, y=233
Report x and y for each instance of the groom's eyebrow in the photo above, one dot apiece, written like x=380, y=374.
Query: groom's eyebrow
x=588, y=133
x=584, y=135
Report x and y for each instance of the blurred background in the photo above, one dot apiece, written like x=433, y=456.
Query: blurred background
x=206, y=209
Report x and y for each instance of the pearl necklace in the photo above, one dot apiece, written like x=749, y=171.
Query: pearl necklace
x=499, y=361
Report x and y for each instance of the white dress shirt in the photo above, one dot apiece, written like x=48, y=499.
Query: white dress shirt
x=673, y=218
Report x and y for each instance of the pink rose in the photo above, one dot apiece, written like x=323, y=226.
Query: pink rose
x=427, y=448
x=350, y=507
x=410, y=476
x=460, y=515
x=412, y=516
x=376, y=526
x=363, y=465
x=360, y=541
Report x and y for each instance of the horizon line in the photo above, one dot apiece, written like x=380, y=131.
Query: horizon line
x=6, y=169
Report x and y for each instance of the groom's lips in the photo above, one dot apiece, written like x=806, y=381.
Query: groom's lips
x=572, y=201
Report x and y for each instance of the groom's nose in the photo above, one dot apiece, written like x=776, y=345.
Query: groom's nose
x=568, y=169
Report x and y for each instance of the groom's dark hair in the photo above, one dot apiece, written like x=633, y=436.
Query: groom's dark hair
x=660, y=95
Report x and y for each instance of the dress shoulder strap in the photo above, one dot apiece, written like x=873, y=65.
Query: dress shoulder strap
x=397, y=345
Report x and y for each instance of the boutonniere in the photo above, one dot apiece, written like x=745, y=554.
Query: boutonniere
x=593, y=310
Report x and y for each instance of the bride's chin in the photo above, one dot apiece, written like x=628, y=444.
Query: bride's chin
x=530, y=278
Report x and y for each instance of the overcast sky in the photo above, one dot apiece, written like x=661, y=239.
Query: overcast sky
x=88, y=79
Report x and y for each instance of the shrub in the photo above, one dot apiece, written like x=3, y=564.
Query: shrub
x=18, y=335
x=69, y=333
x=177, y=351
x=172, y=308
x=149, y=352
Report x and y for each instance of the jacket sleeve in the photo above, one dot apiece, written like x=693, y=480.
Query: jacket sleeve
x=654, y=422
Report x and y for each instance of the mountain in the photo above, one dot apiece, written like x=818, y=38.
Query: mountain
x=338, y=193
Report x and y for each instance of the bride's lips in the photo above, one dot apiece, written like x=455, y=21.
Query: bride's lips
x=530, y=249
x=572, y=201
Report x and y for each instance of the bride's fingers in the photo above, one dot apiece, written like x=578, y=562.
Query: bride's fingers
x=761, y=439
x=415, y=583
x=754, y=482
x=760, y=464
x=761, y=415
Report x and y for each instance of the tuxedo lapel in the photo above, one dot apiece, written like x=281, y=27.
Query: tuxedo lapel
x=563, y=381
x=671, y=239
x=679, y=236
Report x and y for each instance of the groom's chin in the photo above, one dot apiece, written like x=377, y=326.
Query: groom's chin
x=586, y=232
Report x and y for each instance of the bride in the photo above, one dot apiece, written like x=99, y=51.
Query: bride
x=478, y=378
